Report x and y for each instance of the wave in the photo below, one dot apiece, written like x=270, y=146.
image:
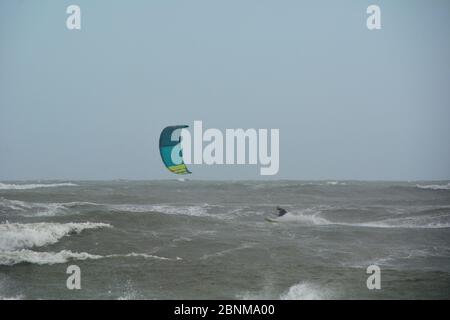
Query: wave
x=313, y=216
x=417, y=222
x=400, y=258
x=41, y=209
x=52, y=209
x=15, y=236
x=32, y=209
x=9, y=258
x=298, y=291
x=194, y=210
x=336, y=183
x=434, y=186
x=310, y=216
x=7, y=186
x=307, y=291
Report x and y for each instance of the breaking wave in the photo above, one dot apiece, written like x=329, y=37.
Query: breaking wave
x=9, y=258
x=7, y=186
x=32, y=209
x=434, y=186
x=14, y=236
x=58, y=208
x=299, y=291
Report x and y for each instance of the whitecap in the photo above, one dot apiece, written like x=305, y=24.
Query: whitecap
x=12, y=186
x=9, y=258
x=298, y=291
x=434, y=186
x=190, y=210
x=16, y=297
x=15, y=236
x=335, y=183
x=32, y=209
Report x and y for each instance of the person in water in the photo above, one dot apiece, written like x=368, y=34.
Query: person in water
x=281, y=211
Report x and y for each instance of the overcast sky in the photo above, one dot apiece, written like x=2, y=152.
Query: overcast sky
x=350, y=103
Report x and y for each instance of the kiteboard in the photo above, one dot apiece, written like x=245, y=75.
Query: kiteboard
x=271, y=219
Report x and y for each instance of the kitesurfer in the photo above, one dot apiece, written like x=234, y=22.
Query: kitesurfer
x=281, y=211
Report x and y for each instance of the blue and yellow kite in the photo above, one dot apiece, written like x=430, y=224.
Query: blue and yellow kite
x=170, y=149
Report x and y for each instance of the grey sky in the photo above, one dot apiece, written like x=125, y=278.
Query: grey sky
x=350, y=103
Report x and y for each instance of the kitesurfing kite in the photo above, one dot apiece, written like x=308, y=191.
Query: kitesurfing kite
x=170, y=149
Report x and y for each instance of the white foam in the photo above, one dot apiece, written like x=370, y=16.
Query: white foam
x=182, y=239
x=16, y=297
x=32, y=209
x=41, y=209
x=52, y=209
x=336, y=183
x=309, y=216
x=417, y=222
x=15, y=236
x=142, y=255
x=7, y=186
x=307, y=291
x=299, y=291
x=193, y=210
x=434, y=186
x=312, y=216
x=9, y=258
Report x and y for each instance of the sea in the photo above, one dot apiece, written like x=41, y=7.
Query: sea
x=190, y=239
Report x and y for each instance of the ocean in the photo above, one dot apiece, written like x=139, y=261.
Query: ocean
x=186, y=239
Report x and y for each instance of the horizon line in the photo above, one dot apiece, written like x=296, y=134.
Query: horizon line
x=224, y=180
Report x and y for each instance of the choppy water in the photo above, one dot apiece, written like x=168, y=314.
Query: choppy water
x=198, y=239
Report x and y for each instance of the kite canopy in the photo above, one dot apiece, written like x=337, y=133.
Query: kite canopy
x=170, y=149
